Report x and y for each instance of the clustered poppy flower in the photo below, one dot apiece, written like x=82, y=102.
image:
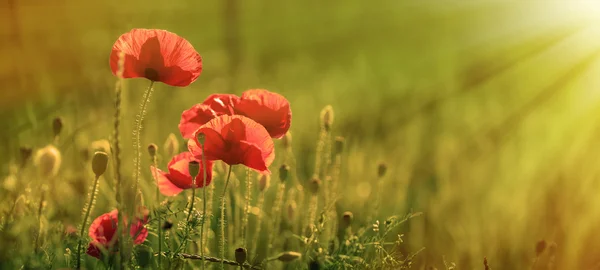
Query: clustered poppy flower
x=157, y=55
x=235, y=139
x=178, y=177
x=269, y=109
x=103, y=232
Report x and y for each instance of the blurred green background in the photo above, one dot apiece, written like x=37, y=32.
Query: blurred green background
x=486, y=113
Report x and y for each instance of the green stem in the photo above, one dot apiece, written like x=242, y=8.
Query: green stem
x=158, y=222
x=204, y=176
x=222, y=224
x=136, y=135
x=259, y=205
x=246, y=207
x=117, y=154
x=189, y=216
x=85, y=218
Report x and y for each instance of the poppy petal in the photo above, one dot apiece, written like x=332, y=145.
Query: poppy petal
x=253, y=157
x=93, y=250
x=138, y=233
x=194, y=118
x=222, y=103
x=165, y=186
x=269, y=109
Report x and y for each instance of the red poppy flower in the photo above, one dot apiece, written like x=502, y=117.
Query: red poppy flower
x=235, y=140
x=222, y=103
x=269, y=109
x=200, y=114
x=157, y=55
x=178, y=178
x=103, y=229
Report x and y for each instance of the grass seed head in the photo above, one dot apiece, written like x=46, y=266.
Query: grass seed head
x=99, y=163
x=327, y=117
x=48, y=160
x=240, y=255
x=288, y=256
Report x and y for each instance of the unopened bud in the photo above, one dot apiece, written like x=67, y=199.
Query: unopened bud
x=194, y=168
x=240, y=255
x=48, y=160
x=99, y=163
x=287, y=140
x=263, y=182
x=57, y=126
x=283, y=172
x=152, y=148
x=315, y=183
x=291, y=210
x=339, y=144
x=171, y=146
x=327, y=117
x=288, y=256
x=347, y=218
x=381, y=170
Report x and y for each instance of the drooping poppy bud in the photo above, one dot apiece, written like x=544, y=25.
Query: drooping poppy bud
x=48, y=160
x=152, y=149
x=99, y=163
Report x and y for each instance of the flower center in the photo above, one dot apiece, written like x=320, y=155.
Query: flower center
x=151, y=74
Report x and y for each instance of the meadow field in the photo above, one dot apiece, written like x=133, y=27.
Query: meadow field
x=441, y=133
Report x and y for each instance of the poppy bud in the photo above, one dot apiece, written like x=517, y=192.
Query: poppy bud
x=48, y=160
x=171, y=145
x=283, y=172
x=314, y=185
x=288, y=256
x=25, y=154
x=347, y=218
x=99, y=163
x=287, y=140
x=291, y=210
x=167, y=225
x=339, y=144
x=100, y=145
x=152, y=148
x=194, y=168
x=201, y=138
x=263, y=182
x=240, y=255
x=327, y=117
x=540, y=247
x=57, y=125
x=381, y=169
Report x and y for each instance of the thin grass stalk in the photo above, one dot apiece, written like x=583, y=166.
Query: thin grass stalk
x=89, y=207
x=222, y=221
x=117, y=155
x=256, y=236
x=246, y=207
x=209, y=210
x=40, y=212
x=278, y=204
x=204, y=176
x=183, y=245
x=156, y=210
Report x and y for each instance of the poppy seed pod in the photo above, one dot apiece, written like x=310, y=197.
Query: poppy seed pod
x=381, y=170
x=283, y=172
x=152, y=148
x=347, y=218
x=194, y=168
x=315, y=183
x=288, y=256
x=327, y=117
x=48, y=160
x=339, y=144
x=201, y=138
x=171, y=145
x=57, y=126
x=99, y=163
x=264, y=181
x=240, y=255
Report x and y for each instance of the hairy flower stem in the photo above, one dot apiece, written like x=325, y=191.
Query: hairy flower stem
x=203, y=207
x=139, y=119
x=222, y=223
x=156, y=210
x=117, y=155
x=40, y=211
x=246, y=207
x=85, y=218
x=259, y=205
x=276, y=215
x=189, y=217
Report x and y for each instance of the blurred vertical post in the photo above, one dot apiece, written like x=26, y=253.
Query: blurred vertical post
x=231, y=32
